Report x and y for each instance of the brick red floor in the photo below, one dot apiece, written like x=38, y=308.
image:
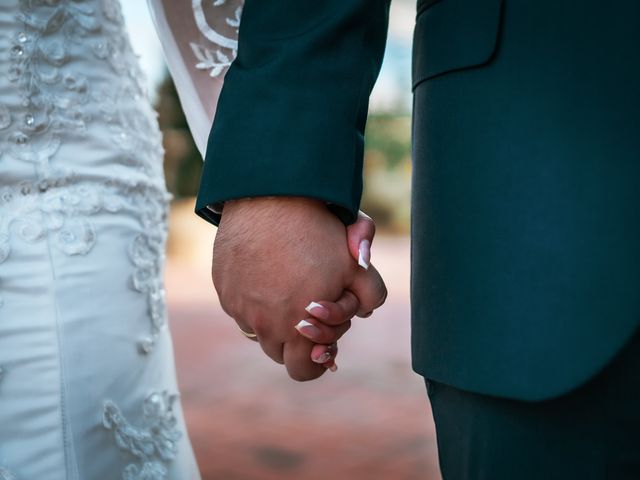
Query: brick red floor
x=247, y=420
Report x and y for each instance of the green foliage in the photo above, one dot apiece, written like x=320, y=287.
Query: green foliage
x=387, y=175
x=182, y=162
x=390, y=136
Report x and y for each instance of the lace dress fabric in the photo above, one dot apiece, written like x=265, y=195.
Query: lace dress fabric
x=87, y=381
x=199, y=48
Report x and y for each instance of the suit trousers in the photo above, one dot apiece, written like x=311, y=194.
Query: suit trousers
x=591, y=433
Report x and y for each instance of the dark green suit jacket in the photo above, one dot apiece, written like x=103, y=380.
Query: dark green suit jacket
x=526, y=190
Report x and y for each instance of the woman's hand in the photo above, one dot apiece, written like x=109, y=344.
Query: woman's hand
x=329, y=321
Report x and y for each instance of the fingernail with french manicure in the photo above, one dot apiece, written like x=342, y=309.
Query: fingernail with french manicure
x=324, y=358
x=317, y=310
x=308, y=329
x=334, y=367
x=364, y=254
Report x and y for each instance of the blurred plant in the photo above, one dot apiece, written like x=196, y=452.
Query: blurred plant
x=387, y=172
x=182, y=161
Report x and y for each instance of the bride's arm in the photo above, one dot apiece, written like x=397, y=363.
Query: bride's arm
x=199, y=39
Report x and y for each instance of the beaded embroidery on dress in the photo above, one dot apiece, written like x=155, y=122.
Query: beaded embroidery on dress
x=54, y=94
x=6, y=474
x=153, y=444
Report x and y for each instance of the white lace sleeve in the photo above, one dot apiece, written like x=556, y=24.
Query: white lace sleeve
x=200, y=40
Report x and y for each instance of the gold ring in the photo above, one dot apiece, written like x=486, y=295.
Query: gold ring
x=251, y=336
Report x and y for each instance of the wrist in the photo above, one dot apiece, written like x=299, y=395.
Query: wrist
x=271, y=206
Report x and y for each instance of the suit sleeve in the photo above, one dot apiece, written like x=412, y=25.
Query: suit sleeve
x=291, y=116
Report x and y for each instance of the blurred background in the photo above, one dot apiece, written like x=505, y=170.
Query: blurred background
x=247, y=420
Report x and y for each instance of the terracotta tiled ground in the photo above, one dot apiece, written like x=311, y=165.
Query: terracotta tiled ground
x=247, y=420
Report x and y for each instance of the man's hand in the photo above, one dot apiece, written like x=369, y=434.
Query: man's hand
x=272, y=257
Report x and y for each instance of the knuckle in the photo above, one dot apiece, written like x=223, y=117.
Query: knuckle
x=350, y=307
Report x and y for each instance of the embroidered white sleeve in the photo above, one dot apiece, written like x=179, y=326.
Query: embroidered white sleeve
x=199, y=48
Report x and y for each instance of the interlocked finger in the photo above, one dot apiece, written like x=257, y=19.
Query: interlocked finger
x=297, y=359
x=270, y=345
x=370, y=290
x=335, y=313
x=318, y=332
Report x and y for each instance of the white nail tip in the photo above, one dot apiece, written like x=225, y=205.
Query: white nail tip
x=313, y=305
x=303, y=323
x=325, y=357
x=362, y=262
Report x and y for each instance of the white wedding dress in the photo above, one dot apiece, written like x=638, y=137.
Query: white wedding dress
x=87, y=381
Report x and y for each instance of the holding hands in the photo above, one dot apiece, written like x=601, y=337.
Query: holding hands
x=276, y=263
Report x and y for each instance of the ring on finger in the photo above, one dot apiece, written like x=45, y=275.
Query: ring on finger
x=249, y=335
